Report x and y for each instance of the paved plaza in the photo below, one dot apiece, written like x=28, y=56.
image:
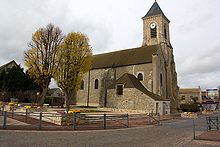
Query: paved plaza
x=172, y=133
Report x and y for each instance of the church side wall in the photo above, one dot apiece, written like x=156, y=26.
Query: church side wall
x=94, y=94
x=97, y=96
x=145, y=69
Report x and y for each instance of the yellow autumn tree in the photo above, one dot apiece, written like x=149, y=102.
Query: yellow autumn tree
x=42, y=58
x=76, y=60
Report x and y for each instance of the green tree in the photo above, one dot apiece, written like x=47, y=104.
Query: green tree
x=76, y=55
x=14, y=82
x=41, y=59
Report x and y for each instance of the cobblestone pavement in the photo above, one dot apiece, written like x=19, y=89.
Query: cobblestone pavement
x=172, y=133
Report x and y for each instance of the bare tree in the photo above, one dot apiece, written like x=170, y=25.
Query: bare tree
x=41, y=59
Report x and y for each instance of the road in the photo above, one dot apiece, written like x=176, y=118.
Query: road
x=172, y=133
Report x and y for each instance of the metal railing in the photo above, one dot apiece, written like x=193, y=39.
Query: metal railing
x=76, y=121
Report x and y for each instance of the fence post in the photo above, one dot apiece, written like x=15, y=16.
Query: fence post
x=104, y=121
x=40, y=120
x=12, y=114
x=194, y=130
x=159, y=119
x=26, y=115
x=5, y=120
x=74, y=121
x=127, y=120
x=1, y=109
x=149, y=118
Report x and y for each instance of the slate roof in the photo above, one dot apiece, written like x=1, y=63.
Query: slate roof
x=126, y=57
x=7, y=64
x=155, y=10
x=50, y=92
x=130, y=81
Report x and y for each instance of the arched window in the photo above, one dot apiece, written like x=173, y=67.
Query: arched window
x=153, y=32
x=140, y=77
x=96, y=84
x=82, y=85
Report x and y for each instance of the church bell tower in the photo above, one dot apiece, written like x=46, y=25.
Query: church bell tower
x=155, y=27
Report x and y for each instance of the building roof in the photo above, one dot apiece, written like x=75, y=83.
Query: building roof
x=155, y=10
x=126, y=57
x=7, y=64
x=52, y=91
x=189, y=90
x=130, y=81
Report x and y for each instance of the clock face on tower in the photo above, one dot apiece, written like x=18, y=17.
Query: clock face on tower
x=153, y=25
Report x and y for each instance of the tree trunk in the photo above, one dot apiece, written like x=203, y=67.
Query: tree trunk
x=43, y=95
x=70, y=98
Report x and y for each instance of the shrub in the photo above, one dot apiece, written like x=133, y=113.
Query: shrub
x=189, y=107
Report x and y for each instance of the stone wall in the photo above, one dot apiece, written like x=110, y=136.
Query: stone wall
x=135, y=100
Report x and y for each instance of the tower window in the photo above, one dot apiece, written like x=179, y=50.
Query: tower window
x=161, y=80
x=153, y=32
x=165, y=32
x=140, y=77
x=96, y=84
x=82, y=85
x=119, y=90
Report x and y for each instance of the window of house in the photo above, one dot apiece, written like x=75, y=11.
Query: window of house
x=153, y=32
x=161, y=80
x=183, y=98
x=82, y=85
x=96, y=84
x=140, y=77
x=119, y=90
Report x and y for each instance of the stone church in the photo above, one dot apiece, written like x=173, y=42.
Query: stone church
x=142, y=78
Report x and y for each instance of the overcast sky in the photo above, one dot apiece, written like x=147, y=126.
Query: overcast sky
x=116, y=24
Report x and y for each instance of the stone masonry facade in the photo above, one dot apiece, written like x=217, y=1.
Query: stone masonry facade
x=157, y=91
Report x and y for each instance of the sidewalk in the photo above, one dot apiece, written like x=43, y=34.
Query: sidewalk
x=11, y=121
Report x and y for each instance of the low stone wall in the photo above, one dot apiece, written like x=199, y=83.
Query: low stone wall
x=189, y=115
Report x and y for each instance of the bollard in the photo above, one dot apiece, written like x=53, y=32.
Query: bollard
x=159, y=119
x=104, y=121
x=127, y=121
x=40, y=121
x=194, y=130
x=5, y=120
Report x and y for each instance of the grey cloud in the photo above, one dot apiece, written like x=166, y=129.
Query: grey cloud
x=204, y=80
x=207, y=62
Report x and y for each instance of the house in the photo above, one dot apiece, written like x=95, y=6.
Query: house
x=8, y=65
x=54, y=97
x=189, y=95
